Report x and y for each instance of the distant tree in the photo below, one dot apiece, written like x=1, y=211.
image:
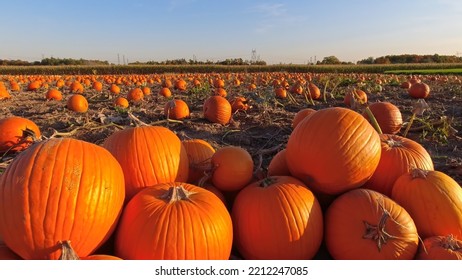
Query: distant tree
x=330, y=60
x=369, y=60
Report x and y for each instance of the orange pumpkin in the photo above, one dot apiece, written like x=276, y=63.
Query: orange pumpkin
x=199, y=153
x=78, y=197
x=34, y=85
x=180, y=84
x=388, y=117
x=232, y=168
x=54, y=94
x=98, y=86
x=314, y=91
x=280, y=92
x=77, y=103
x=17, y=133
x=363, y=224
x=440, y=248
x=300, y=115
x=217, y=109
x=277, y=218
x=165, y=92
x=150, y=155
x=356, y=95
x=333, y=150
x=398, y=156
x=176, y=109
x=419, y=90
x=434, y=201
x=135, y=95
x=278, y=165
x=76, y=87
x=239, y=103
x=174, y=221
x=115, y=89
x=121, y=102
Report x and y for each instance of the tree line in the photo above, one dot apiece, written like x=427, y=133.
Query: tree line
x=328, y=60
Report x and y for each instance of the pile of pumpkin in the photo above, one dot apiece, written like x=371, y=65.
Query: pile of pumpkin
x=340, y=183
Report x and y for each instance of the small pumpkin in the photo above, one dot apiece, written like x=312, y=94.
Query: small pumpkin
x=217, y=109
x=77, y=103
x=135, y=95
x=174, y=221
x=419, y=90
x=17, y=133
x=355, y=95
x=199, y=153
x=176, y=109
x=232, y=168
x=121, y=102
x=165, y=92
x=440, y=248
x=54, y=94
x=300, y=115
x=388, y=117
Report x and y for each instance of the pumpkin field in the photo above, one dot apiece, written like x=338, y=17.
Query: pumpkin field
x=231, y=165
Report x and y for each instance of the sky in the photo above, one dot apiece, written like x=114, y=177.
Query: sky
x=276, y=31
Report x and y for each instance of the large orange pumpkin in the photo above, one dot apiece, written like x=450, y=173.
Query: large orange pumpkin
x=70, y=190
x=440, y=248
x=333, y=150
x=277, y=218
x=398, y=156
x=148, y=155
x=363, y=224
x=434, y=201
x=17, y=133
x=217, y=109
x=173, y=221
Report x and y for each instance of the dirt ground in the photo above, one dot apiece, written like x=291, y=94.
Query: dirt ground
x=262, y=129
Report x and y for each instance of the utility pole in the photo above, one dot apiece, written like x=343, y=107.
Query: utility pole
x=253, y=58
x=118, y=59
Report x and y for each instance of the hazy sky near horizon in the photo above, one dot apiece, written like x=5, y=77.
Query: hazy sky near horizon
x=280, y=31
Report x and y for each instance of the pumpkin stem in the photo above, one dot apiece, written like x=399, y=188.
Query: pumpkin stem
x=394, y=143
x=374, y=122
x=450, y=243
x=419, y=173
x=176, y=193
x=67, y=252
x=377, y=233
x=268, y=181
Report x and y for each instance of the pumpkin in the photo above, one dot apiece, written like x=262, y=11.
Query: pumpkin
x=220, y=92
x=440, y=248
x=199, y=154
x=419, y=90
x=217, y=109
x=356, y=95
x=180, y=84
x=218, y=83
x=98, y=257
x=363, y=224
x=280, y=92
x=150, y=155
x=388, y=117
x=278, y=165
x=239, y=103
x=173, y=221
x=54, y=94
x=34, y=85
x=176, y=109
x=77, y=103
x=314, y=91
x=300, y=115
x=115, y=89
x=146, y=90
x=166, y=83
x=398, y=156
x=17, y=133
x=70, y=190
x=165, y=92
x=434, y=201
x=333, y=150
x=121, y=102
x=97, y=86
x=76, y=87
x=232, y=168
x=277, y=218
x=135, y=95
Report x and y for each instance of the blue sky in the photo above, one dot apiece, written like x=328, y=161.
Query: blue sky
x=279, y=31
